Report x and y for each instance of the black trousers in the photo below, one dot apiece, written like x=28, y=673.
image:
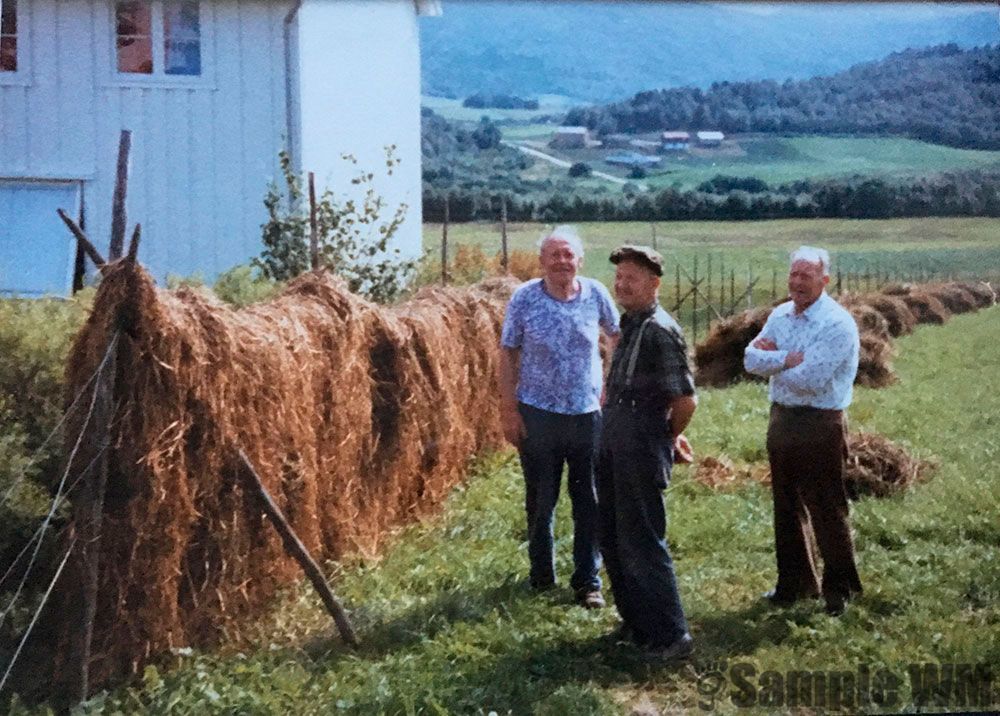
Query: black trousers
x=632, y=467
x=554, y=439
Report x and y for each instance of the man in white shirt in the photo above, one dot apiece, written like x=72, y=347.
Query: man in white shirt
x=809, y=350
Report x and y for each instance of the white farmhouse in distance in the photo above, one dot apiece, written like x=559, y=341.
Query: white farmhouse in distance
x=710, y=138
x=212, y=91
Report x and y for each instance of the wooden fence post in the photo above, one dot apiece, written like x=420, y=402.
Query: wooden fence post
x=694, y=301
x=313, y=230
x=504, y=257
x=88, y=515
x=444, y=245
x=118, y=212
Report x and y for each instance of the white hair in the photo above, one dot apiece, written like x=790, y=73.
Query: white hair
x=812, y=255
x=566, y=233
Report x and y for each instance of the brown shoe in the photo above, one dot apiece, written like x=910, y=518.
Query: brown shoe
x=591, y=599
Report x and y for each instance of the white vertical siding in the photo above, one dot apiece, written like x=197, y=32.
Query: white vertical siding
x=360, y=90
x=202, y=155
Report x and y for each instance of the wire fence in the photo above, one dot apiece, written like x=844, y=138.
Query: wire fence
x=64, y=489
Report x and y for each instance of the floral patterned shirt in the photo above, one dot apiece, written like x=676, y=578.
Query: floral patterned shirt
x=560, y=368
x=828, y=336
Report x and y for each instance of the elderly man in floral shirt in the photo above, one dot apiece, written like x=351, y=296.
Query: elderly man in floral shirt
x=550, y=382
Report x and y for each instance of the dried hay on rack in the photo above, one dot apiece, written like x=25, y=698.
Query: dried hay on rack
x=899, y=318
x=981, y=291
x=925, y=307
x=719, y=358
x=954, y=297
x=879, y=467
x=358, y=418
x=875, y=362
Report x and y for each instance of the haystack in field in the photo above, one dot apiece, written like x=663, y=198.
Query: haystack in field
x=875, y=362
x=357, y=417
x=954, y=297
x=719, y=358
x=981, y=291
x=899, y=319
x=925, y=307
x=878, y=467
x=870, y=321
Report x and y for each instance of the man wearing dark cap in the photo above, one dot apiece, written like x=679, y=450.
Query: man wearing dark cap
x=650, y=400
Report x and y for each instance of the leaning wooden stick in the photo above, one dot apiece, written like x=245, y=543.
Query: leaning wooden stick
x=298, y=550
x=81, y=237
x=133, y=247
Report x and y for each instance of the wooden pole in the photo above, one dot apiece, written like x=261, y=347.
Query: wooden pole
x=118, y=213
x=133, y=245
x=732, y=291
x=504, y=257
x=444, y=245
x=88, y=518
x=652, y=226
x=694, y=302
x=677, y=285
x=750, y=283
x=313, y=231
x=80, y=259
x=294, y=546
x=82, y=239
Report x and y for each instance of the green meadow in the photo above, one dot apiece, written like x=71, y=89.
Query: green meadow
x=775, y=159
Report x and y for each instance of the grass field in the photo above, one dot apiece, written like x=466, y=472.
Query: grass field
x=778, y=160
x=450, y=627
x=911, y=248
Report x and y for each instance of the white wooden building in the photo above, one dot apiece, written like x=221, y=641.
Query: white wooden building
x=212, y=91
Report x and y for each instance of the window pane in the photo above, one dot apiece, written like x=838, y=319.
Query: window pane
x=181, y=38
x=135, y=54
x=180, y=20
x=8, y=17
x=182, y=58
x=8, y=54
x=133, y=18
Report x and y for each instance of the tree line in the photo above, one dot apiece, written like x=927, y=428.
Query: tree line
x=943, y=94
x=965, y=193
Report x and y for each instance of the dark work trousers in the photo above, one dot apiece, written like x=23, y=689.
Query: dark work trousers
x=633, y=465
x=554, y=439
x=806, y=447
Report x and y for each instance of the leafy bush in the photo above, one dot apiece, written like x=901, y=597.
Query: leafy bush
x=580, y=169
x=245, y=284
x=353, y=237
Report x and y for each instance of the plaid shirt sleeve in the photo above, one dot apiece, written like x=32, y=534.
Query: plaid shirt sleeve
x=669, y=370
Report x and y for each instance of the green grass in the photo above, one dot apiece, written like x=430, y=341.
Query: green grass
x=779, y=160
x=449, y=626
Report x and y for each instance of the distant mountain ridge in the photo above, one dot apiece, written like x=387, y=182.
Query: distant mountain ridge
x=944, y=95
x=604, y=51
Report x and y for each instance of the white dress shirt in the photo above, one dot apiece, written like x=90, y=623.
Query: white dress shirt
x=827, y=336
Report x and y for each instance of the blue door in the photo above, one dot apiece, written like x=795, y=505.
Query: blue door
x=36, y=248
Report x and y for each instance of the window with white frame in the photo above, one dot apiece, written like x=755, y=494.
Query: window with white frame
x=158, y=37
x=8, y=35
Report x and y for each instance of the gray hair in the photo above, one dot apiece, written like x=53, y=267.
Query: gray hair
x=566, y=233
x=812, y=255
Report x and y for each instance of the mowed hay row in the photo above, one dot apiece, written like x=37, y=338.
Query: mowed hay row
x=876, y=466
x=719, y=358
x=357, y=417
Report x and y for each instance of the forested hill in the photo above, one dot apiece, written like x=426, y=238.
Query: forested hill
x=943, y=95
x=601, y=51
